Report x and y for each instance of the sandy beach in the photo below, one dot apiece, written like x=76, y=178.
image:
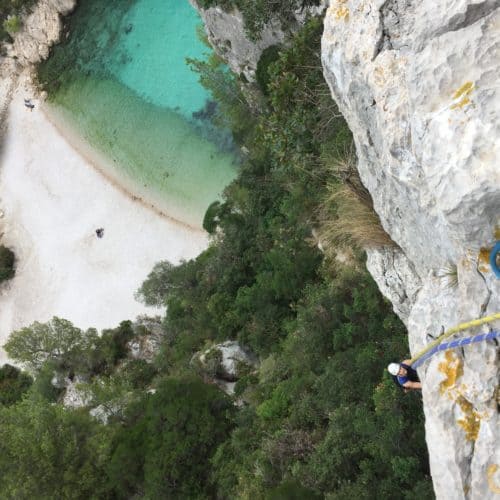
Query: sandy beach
x=52, y=201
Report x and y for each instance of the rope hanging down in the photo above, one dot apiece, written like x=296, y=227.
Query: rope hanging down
x=450, y=332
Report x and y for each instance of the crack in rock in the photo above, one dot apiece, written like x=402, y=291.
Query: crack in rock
x=393, y=29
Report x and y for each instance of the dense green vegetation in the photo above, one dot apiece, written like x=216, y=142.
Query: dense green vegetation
x=13, y=384
x=319, y=419
x=7, y=261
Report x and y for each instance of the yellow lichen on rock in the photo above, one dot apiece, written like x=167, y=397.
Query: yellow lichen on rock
x=338, y=10
x=462, y=95
x=483, y=260
x=471, y=422
x=341, y=13
x=493, y=484
x=452, y=368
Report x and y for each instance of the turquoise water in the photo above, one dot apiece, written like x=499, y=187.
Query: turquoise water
x=122, y=82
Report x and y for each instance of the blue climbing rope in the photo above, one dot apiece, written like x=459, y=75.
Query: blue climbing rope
x=493, y=259
x=455, y=343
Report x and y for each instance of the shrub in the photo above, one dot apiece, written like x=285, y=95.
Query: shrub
x=13, y=384
x=262, y=75
x=164, y=451
x=210, y=219
x=12, y=25
x=7, y=260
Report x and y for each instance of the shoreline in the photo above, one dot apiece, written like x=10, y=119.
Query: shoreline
x=95, y=159
x=53, y=198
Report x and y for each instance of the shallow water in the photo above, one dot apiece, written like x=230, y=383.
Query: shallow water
x=123, y=83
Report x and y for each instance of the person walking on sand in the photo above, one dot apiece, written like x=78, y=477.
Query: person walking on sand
x=405, y=375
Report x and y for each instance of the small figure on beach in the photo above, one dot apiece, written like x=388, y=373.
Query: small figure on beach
x=99, y=232
x=29, y=104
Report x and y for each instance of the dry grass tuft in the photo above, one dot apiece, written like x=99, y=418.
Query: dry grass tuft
x=347, y=217
x=450, y=274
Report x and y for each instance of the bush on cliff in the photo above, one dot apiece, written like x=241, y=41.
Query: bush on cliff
x=13, y=384
x=7, y=261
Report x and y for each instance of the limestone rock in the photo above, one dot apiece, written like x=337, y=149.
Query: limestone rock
x=226, y=363
x=395, y=277
x=146, y=343
x=73, y=396
x=41, y=29
x=418, y=85
x=226, y=33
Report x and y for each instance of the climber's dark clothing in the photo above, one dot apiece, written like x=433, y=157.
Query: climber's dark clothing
x=411, y=375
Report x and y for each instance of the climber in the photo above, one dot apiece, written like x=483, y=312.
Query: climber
x=405, y=375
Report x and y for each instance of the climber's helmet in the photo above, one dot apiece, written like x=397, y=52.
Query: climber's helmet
x=393, y=368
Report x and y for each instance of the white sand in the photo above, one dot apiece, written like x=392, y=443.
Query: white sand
x=53, y=200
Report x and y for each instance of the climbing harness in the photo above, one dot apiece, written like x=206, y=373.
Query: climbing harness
x=456, y=343
x=462, y=326
x=493, y=259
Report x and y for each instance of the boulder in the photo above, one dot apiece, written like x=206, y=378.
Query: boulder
x=225, y=364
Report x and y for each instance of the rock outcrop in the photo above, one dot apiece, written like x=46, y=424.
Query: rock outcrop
x=226, y=33
x=225, y=364
x=41, y=29
x=418, y=85
x=148, y=336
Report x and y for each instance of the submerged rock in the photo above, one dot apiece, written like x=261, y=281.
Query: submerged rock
x=418, y=85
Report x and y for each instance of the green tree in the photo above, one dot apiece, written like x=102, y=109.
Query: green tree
x=47, y=452
x=168, y=444
x=58, y=341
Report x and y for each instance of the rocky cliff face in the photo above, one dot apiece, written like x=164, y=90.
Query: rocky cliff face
x=226, y=33
x=417, y=82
